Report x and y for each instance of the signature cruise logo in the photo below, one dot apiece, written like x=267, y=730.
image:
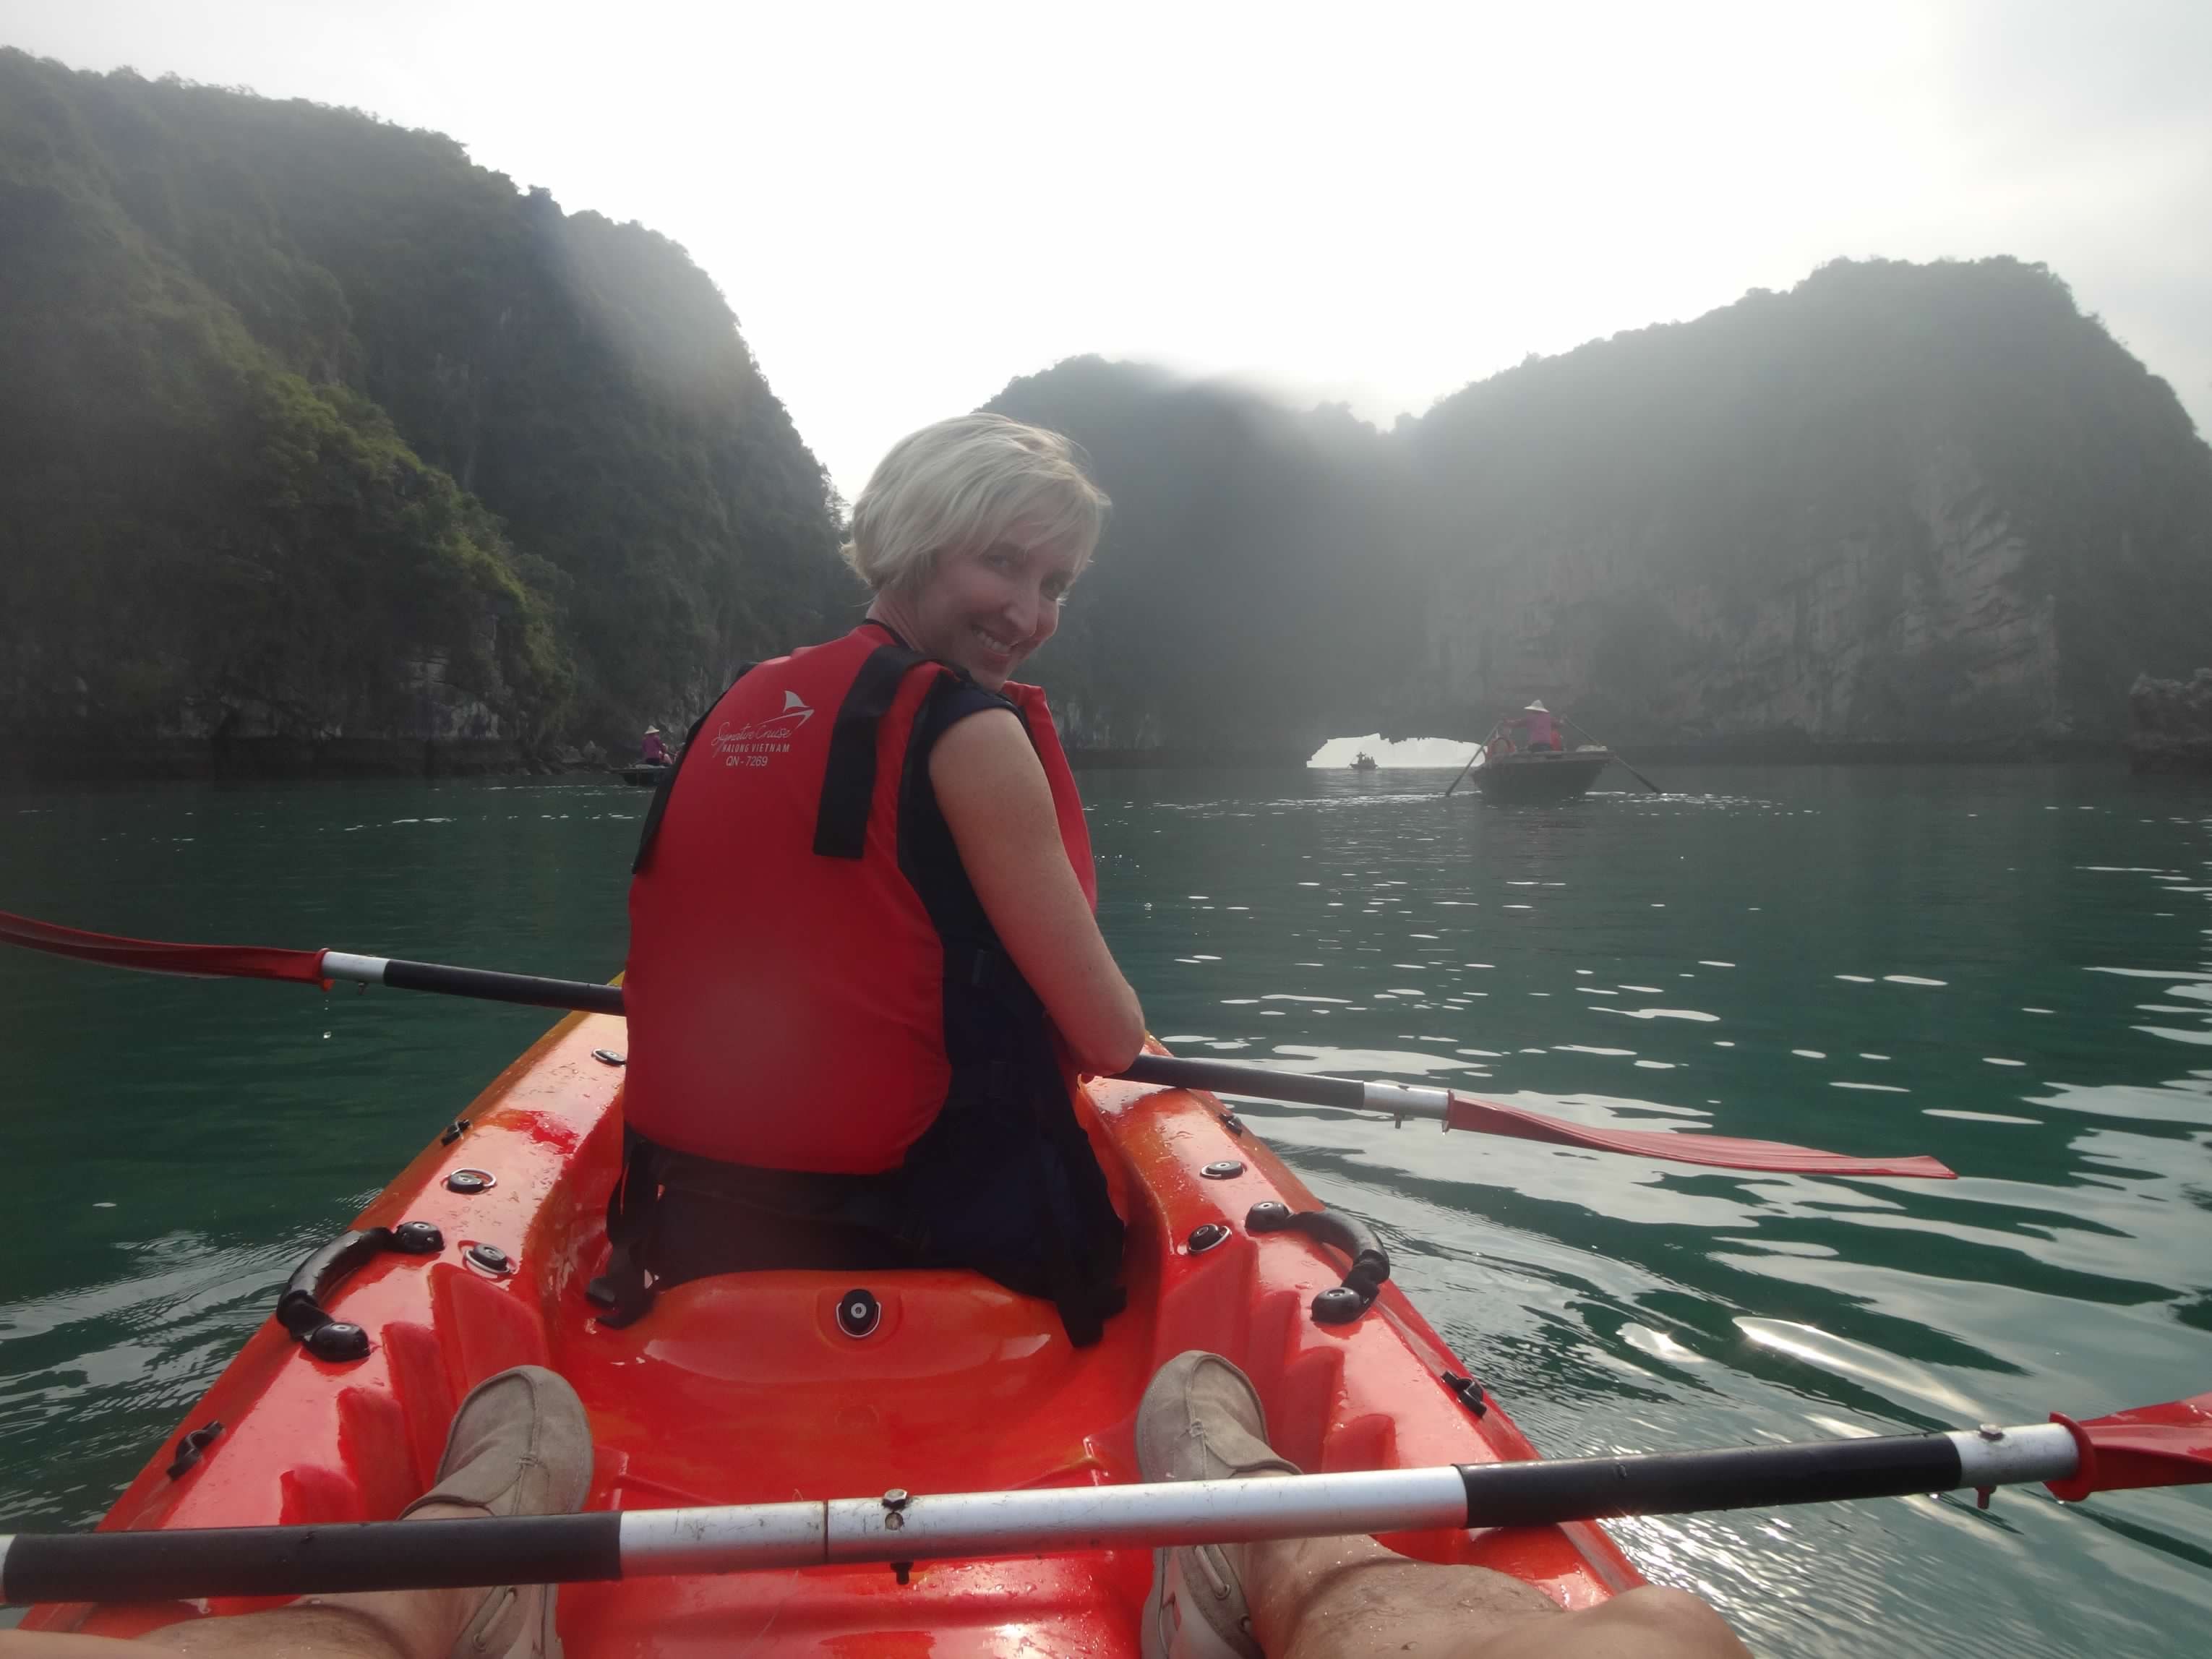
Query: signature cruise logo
x=757, y=743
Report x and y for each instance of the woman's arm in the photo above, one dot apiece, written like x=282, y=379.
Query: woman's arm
x=992, y=792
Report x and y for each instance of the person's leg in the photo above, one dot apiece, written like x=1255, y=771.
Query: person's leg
x=1335, y=1598
x=520, y=1445
x=1338, y=1598
x=375, y=1624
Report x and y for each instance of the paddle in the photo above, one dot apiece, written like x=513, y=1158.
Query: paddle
x=1617, y=760
x=1459, y=1111
x=1455, y=1111
x=1462, y=775
x=1467, y=771
x=2165, y=1445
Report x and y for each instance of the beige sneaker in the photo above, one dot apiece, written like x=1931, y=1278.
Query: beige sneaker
x=1202, y=1419
x=520, y=1445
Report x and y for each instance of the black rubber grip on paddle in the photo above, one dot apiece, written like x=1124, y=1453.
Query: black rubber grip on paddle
x=1167, y=1071
x=487, y=986
x=1537, y=1494
x=192, y=1562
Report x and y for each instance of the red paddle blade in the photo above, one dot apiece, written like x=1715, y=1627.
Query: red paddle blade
x=2169, y=1446
x=1721, y=1151
x=153, y=956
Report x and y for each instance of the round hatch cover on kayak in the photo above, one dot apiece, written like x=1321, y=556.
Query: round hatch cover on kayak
x=1227, y=1169
x=859, y=1313
x=470, y=1181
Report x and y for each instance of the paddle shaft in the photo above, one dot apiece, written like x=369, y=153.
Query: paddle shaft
x=895, y=1527
x=482, y=983
x=1457, y=1111
x=1607, y=747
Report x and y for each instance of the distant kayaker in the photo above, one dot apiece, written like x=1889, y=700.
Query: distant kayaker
x=655, y=752
x=863, y=967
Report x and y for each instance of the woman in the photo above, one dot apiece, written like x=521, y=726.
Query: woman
x=863, y=965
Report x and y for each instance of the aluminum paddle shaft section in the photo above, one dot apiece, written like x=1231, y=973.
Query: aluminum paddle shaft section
x=1458, y=1111
x=895, y=1528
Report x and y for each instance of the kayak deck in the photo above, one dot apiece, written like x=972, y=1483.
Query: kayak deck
x=750, y=1388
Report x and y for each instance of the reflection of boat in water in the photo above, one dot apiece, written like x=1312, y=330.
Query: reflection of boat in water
x=1362, y=761
x=1525, y=758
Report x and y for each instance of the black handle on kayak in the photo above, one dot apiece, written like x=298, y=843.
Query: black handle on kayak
x=1370, y=1262
x=299, y=1304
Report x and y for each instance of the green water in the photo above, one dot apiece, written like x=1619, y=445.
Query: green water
x=2006, y=967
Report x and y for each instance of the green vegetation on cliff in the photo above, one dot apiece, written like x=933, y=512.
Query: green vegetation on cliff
x=314, y=433
x=1243, y=596
x=314, y=429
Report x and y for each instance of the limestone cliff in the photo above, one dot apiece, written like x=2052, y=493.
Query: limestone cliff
x=1901, y=505
x=1940, y=632
x=1898, y=506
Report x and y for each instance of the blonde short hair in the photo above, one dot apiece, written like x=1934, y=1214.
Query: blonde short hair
x=971, y=482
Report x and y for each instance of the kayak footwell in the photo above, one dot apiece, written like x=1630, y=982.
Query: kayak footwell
x=752, y=1388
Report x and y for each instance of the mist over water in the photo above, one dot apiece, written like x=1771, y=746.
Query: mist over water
x=2006, y=967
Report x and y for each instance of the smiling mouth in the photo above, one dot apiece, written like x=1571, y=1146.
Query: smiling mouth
x=1003, y=648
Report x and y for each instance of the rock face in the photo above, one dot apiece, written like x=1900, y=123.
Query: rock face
x=1939, y=632
x=1900, y=508
x=2171, y=724
x=323, y=449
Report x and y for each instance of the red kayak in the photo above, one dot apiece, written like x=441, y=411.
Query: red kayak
x=770, y=1387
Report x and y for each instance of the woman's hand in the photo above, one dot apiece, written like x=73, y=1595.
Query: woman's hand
x=992, y=789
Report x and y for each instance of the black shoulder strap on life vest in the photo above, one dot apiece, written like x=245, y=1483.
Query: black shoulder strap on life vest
x=849, y=788
x=658, y=809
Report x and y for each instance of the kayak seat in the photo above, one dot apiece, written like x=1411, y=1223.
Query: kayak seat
x=805, y=1382
x=910, y=1328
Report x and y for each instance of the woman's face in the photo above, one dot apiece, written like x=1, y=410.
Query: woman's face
x=986, y=608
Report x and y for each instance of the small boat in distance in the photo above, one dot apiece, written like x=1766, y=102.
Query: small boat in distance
x=1525, y=758
x=1362, y=761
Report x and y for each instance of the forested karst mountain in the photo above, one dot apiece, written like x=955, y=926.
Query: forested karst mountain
x=1249, y=591
x=321, y=447
x=1899, y=505
x=314, y=435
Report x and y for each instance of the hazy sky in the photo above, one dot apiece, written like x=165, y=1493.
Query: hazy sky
x=908, y=205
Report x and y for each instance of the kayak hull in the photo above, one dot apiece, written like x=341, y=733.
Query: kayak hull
x=749, y=1388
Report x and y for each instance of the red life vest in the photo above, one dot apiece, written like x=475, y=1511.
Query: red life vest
x=787, y=985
